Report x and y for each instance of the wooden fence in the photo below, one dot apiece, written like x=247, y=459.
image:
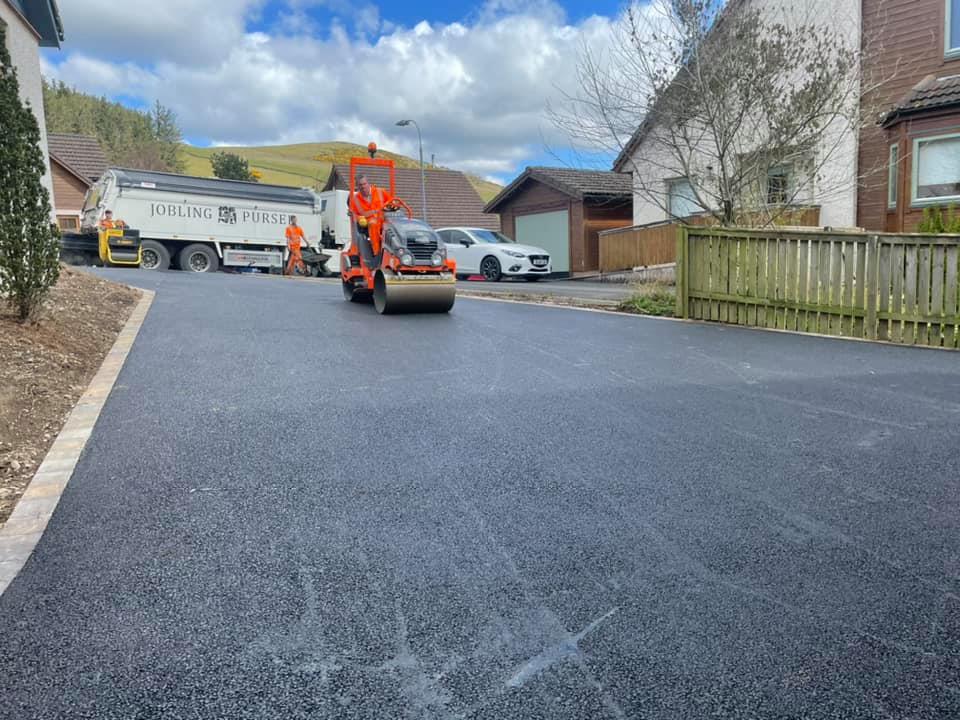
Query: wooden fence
x=901, y=288
x=639, y=246
x=656, y=243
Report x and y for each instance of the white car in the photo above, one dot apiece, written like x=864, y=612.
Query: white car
x=493, y=254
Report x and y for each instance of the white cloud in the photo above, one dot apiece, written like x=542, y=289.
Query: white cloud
x=183, y=31
x=478, y=88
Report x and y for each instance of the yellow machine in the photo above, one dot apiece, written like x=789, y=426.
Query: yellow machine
x=120, y=246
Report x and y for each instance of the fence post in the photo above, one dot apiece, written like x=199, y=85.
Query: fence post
x=681, y=271
x=871, y=284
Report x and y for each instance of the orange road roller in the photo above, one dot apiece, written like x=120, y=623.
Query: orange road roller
x=395, y=260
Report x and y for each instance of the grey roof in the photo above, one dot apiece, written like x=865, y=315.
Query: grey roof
x=578, y=184
x=169, y=182
x=80, y=154
x=929, y=94
x=44, y=17
x=451, y=199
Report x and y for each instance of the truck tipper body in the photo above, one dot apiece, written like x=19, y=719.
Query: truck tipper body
x=200, y=224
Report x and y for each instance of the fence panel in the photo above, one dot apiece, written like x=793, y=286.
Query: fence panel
x=626, y=248
x=656, y=244
x=901, y=288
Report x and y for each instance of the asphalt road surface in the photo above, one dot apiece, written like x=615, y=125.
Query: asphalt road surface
x=294, y=508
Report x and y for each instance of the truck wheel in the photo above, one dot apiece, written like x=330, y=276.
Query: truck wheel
x=155, y=256
x=198, y=258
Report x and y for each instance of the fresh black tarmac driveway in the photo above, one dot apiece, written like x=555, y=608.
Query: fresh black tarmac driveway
x=294, y=508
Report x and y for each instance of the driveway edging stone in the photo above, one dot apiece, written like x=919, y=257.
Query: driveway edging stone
x=25, y=526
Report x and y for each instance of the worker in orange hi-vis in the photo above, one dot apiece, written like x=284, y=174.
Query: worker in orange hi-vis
x=295, y=239
x=108, y=223
x=367, y=205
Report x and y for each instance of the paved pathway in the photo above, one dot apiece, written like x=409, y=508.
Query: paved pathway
x=294, y=508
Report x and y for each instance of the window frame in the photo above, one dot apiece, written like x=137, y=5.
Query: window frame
x=670, y=184
x=915, y=172
x=949, y=53
x=785, y=171
x=893, y=176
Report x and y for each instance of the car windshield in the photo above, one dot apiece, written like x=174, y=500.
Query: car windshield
x=490, y=236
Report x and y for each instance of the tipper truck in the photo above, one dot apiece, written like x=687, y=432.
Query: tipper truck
x=200, y=224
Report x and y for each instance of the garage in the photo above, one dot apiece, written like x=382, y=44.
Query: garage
x=549, y=230
x=563, y=211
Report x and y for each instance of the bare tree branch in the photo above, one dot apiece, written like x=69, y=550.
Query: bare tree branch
x=733, y=99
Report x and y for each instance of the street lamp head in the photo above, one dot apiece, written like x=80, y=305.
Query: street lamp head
x=403, y=123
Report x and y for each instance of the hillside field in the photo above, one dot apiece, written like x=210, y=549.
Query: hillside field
x=305, y=164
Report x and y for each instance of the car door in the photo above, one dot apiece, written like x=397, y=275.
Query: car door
x=461, y=247
x=453, y=250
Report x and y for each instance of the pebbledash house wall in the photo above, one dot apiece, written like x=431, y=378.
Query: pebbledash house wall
x=24, y=46
x=837, y=195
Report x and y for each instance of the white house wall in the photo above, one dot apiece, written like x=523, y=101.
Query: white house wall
x=836, y=193
x=24, y=47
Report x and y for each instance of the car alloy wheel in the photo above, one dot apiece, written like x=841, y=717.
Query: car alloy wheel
x=490, y=269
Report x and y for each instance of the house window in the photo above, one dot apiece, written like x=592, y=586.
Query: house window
x=681, y=201
x=951, y=44
x=778, y=185
x=936, y=169
x=68, y=222
x=892, y=174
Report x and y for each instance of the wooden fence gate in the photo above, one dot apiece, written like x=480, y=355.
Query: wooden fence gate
x=901, y=288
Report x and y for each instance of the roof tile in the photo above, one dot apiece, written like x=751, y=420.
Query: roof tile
x=451, y=199
x=80, y=153
x=578, y=184
x=930, y=94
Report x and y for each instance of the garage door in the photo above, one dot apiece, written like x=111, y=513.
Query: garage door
x=551, y=231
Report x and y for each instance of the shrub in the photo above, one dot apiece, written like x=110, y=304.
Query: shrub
x=29, y=242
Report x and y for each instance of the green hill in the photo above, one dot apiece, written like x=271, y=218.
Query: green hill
x=304, y=164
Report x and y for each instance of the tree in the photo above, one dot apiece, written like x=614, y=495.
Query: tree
x=129, y=138
x=166, y=132
x=750, y=111
x=231, y=166
x=29, y=247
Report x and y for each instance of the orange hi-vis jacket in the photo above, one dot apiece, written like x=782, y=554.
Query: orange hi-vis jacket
x=372, y=209
x=295, y=238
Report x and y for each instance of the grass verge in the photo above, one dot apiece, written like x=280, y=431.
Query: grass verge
x=656, y=298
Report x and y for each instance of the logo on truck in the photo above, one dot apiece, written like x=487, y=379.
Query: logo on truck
x=179, y=210
x=228, y=215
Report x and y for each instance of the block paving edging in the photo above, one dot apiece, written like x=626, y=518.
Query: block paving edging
x=22, y=531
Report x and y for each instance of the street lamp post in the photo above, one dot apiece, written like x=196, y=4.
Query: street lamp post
x=423, y=186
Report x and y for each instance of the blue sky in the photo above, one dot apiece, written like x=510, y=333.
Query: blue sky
x=478, y=77
x=410, y=13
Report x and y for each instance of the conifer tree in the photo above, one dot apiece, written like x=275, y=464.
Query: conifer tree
x=29, y=242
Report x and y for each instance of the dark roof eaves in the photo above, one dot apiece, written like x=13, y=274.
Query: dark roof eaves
x=70, y=169
x=501, y=196
x=900, y=113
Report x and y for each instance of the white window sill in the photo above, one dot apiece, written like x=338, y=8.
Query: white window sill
x=927, y=202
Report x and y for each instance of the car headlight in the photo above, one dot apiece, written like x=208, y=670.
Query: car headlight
x=406, y=258
x=514, y=253
x=437, y=259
